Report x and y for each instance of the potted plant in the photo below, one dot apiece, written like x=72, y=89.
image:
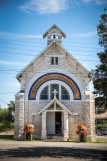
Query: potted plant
x=82, y=132
x=29, y=129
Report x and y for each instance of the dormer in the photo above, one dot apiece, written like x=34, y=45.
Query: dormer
x=54, y=33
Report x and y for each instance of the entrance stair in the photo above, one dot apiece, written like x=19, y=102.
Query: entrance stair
x=54, y=138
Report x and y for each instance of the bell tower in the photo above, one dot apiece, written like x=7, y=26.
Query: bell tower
x=54, y=33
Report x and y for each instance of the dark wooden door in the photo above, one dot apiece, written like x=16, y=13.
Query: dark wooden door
x=58, y=123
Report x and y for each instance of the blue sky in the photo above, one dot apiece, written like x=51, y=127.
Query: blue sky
x=22, y=24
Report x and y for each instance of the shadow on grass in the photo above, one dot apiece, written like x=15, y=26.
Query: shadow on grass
x=7, y=137
x=54, y=152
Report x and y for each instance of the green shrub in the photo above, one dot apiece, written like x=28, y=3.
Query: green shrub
x=2, y=127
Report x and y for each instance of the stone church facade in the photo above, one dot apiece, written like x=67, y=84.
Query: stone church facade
x=54, y=93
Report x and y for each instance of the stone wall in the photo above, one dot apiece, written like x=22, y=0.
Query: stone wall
x=43, y=63
x=25, y=110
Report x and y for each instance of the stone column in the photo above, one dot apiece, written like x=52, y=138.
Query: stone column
x=92, y=117
x=44, y=132
x=19, y=116
x=66, y=136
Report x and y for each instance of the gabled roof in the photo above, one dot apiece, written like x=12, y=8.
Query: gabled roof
x=20, y=73
x=52, y=27
x=53, y=43
x=55, y=100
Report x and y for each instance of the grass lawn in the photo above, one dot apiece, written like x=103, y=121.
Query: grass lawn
x=101, y=140
x=9, y=135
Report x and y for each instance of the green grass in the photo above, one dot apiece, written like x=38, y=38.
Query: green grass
x=6, y=137
x=101, y=140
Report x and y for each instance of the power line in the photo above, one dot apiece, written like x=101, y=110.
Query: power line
x=23, y=41
x=64, y=40
x=17, y=53
x=75, y=59
x=3, y=101
x=19, y=48
x=8, y=93
x=46, y=43
x=43, y=49
x=76, y=73
x=81, y=47
x=76, y=42
x=20, y=44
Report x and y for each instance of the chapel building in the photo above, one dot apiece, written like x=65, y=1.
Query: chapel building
x=54, y=93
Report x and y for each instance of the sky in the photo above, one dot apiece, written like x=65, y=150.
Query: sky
x=22, y=24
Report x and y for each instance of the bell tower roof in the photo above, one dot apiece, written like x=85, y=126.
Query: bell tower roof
x=54, y=33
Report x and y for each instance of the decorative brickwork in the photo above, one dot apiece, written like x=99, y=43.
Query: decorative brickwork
x=54, y=76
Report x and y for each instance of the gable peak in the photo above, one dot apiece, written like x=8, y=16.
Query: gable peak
x=54, y=33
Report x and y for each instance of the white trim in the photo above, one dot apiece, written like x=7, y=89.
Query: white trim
x=82, y=90
x=54, y=82
x=52, y=102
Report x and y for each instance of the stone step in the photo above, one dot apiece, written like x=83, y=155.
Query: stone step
x=54, y=138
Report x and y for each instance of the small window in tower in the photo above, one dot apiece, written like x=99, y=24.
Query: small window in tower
x=54, y=60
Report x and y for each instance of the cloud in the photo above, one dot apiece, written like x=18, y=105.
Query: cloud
x=87, y=1
x=45, y=6
x=3, y=62
x=12, y=35
x=99, y=2
x=53, y=6
x=86, y=34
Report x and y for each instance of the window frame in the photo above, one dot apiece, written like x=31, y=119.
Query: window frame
x=44, y=94
x=54, y=60
x=49, y=93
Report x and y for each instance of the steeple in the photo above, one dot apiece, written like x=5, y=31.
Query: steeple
x=54, y=33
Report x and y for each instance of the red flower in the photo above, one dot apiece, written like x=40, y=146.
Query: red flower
x=29, y=128
x=82, y=129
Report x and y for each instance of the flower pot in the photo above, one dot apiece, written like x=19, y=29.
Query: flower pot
x=82, y=138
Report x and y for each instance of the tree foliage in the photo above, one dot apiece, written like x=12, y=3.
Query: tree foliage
x=11, y=108
x=7, y=116
x=100, y=73
x=102, y=30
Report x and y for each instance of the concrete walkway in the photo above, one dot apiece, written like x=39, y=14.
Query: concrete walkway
x=52, y=151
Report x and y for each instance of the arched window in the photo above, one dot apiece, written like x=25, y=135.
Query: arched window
x=64, y=94
x=54, y=36
x=47, y=93
x=44, y=94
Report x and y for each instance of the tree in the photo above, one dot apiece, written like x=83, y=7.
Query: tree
x=7, y=117
x=102, y=30
x=11, y=108
x=3, y=119
x=100, y=73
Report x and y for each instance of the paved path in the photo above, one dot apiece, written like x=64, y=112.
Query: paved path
x=52, y=151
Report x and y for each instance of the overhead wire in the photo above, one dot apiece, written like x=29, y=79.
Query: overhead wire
x=46, y=43
x=3, y=101
x=17, y=53
x=64, y=40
